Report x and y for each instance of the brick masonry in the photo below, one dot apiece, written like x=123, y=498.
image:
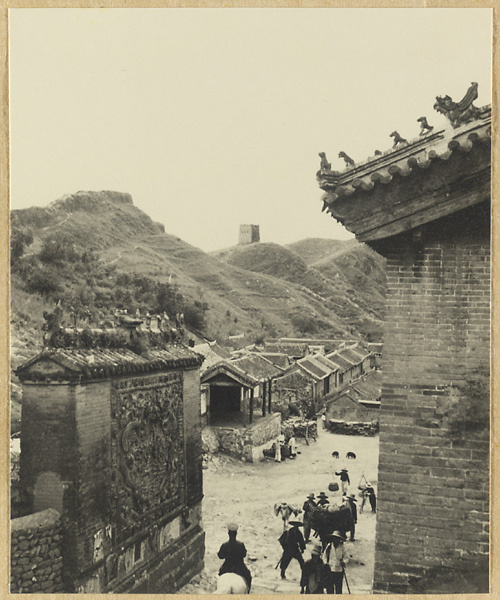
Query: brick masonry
x=131, y=517
x=35, y=560
x=433, y=486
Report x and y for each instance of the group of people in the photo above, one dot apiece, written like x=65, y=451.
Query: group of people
x=283, y=449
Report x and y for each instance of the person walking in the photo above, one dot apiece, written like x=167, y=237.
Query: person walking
x=335, y=557
x=344, y=479
x=308, y=508
x=351, y=503
x=311, y=581
x=233, y=553
x=292, y=542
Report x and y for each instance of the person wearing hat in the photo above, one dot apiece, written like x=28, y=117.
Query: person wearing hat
x=370, y=493
x=308, y=508
x=351, y=503
x=323, y=499
x=233, y=552
x=344, y=479
x=335, y=557
x=292, y=542
x=311, y=581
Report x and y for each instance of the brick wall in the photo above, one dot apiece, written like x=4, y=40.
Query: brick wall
x=433, y=486
x=130, y=516
x=192, y=436
x=35, y=560
x=47, y=441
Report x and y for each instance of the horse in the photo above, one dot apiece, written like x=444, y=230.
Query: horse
x=231, y=583
x=286, y=510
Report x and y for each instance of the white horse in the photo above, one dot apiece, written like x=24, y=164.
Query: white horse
x=231, y=583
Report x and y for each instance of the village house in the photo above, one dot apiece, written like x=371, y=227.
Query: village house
x=425, y=206
x=238, y=405
x=355, y=404
x=111, y=462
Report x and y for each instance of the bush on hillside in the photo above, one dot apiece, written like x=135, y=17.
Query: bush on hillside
x=304, y=323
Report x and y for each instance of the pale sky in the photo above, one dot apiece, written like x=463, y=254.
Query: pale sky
x=212, y=118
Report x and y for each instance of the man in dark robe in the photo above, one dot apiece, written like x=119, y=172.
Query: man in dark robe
x=233, y=552
x=311, y=581
x=309, y=506
x=292, y=542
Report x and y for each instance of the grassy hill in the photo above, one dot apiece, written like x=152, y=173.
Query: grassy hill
x=97, y=251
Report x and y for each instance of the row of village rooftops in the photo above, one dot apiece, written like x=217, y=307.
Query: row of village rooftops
x=289, y=377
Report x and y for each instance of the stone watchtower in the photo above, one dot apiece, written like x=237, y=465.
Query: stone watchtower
x=111, y=439
x=425, y=206
x=249, y=234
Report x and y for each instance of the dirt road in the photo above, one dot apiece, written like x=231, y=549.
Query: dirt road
x=246, y=493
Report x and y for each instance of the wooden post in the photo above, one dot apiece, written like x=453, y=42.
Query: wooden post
x=269, y=396
x=264, y=397
x=251, y=405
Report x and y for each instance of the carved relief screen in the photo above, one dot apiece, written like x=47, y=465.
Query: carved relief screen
x=147, y=450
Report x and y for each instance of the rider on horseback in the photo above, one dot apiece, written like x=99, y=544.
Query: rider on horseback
x=233, y=552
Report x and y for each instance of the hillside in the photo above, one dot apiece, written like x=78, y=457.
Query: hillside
x=97, y=251
x=348, y=277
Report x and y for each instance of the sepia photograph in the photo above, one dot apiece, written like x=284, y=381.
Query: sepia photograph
x=250, y=308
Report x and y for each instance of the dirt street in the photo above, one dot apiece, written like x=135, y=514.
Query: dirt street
x=246, y=493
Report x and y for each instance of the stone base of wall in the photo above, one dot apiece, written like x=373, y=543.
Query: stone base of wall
x=352, y=428
x=36, y=561
x=249, y=442
x=170, y=556
x=170, y=572
x=469, y=577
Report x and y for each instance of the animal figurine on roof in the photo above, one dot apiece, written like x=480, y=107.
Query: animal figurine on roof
x=286, y=510
x=348, y=160
x=398, y=139
x=459, y=112
x=424, y=126
x=324, y=164
x=378, y=153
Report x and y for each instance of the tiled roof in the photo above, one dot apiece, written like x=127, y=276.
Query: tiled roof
x=417, y=154
x=367, y=390
x=102, y=363
x=231, y=370
x=326, y=362
x=315, y=368
x=351, y=356
x=285, y=348
x=257, y=366
x=277, y=358
x=370, y=198
x=211, y=354
x=339, y=362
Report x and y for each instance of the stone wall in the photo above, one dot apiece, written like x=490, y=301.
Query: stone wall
x=260, y=436
x=433, y=492
x=36, y=561
x=352, y=427
x=246, y=442
x=345, y=409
